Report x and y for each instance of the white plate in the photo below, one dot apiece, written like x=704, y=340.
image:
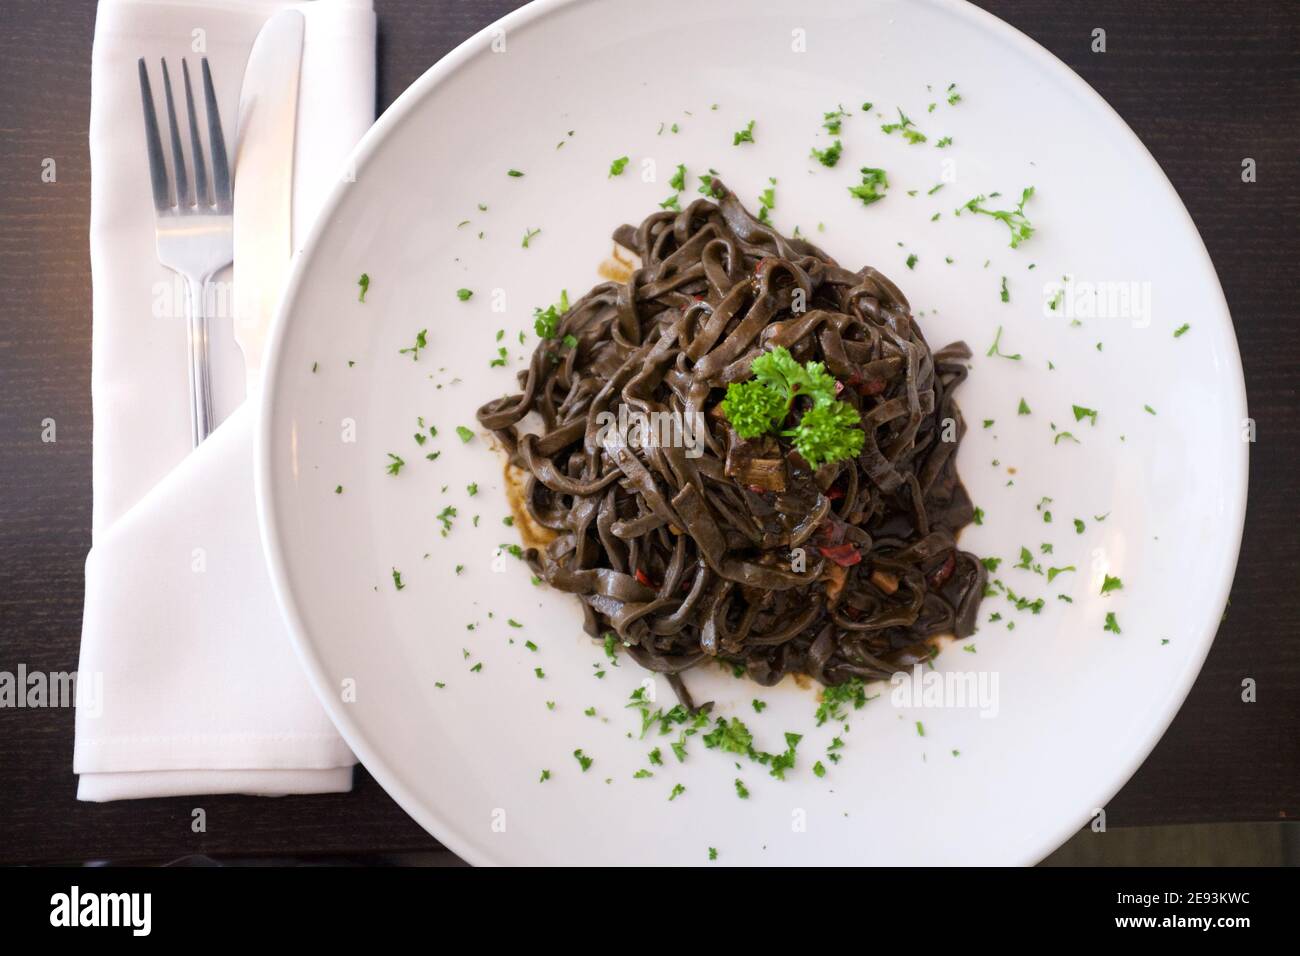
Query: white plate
x=1078, y=708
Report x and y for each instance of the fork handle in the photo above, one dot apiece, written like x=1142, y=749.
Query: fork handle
x=200, y=376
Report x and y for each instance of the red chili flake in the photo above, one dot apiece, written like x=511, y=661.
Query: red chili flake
x=845, y=555
x=872, y=386
x=643, y=578
x=944, y=571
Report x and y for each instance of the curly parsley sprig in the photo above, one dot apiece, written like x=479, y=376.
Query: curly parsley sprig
x=826, y=432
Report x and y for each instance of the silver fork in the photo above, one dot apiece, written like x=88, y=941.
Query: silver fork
x=194, y=227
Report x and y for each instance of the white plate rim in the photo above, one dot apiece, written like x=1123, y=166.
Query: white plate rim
x=273, y=545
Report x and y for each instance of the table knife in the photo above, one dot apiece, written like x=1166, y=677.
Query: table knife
x=263, y=199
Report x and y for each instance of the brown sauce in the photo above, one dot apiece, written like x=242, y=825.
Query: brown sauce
x=616, y=268
x=531, y=534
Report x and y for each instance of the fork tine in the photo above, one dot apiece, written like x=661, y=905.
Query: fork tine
x=178, y=156
x=153, y=141
x=217, y=140
x=196, y=142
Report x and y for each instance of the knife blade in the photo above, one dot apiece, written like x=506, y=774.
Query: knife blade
x=263, y=200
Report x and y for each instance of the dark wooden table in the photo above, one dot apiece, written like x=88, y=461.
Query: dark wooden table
x=1204, y=84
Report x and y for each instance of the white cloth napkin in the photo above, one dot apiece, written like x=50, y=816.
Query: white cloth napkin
x=190, y=684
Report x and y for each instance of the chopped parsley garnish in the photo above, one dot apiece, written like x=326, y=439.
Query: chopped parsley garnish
x=830, y=155
x=1015, y=220
x=1005, y=292
x=766, y=202
x=832, y=121
x=1181, y=330
x=445, y=516
x=464, y=433
x=732, y=736
x=529, y=235
x=514, y=172
x=782, y=762
x=546, y=775
x=583, y=760
x=912, y=260
x=1078, y=526
x=678, y=180
x=1109, y=584
x=464, y=294
x=1023, y=408
x=741, y=790
x=1112, y=624
x=994, y=350
x=953, y=96
x=872, y=189
x=364, y=283
x=1080, y=413
x=397, y=579
x=677, y=791
x=835, y=699
x=617, y=166
x=745, y=135
x=671, y=203
x=906, y=126
x=546, y=322
x=1053, y=572
x=421, y=340
x=943, y=143
x=819, y=769
x=395, y=464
